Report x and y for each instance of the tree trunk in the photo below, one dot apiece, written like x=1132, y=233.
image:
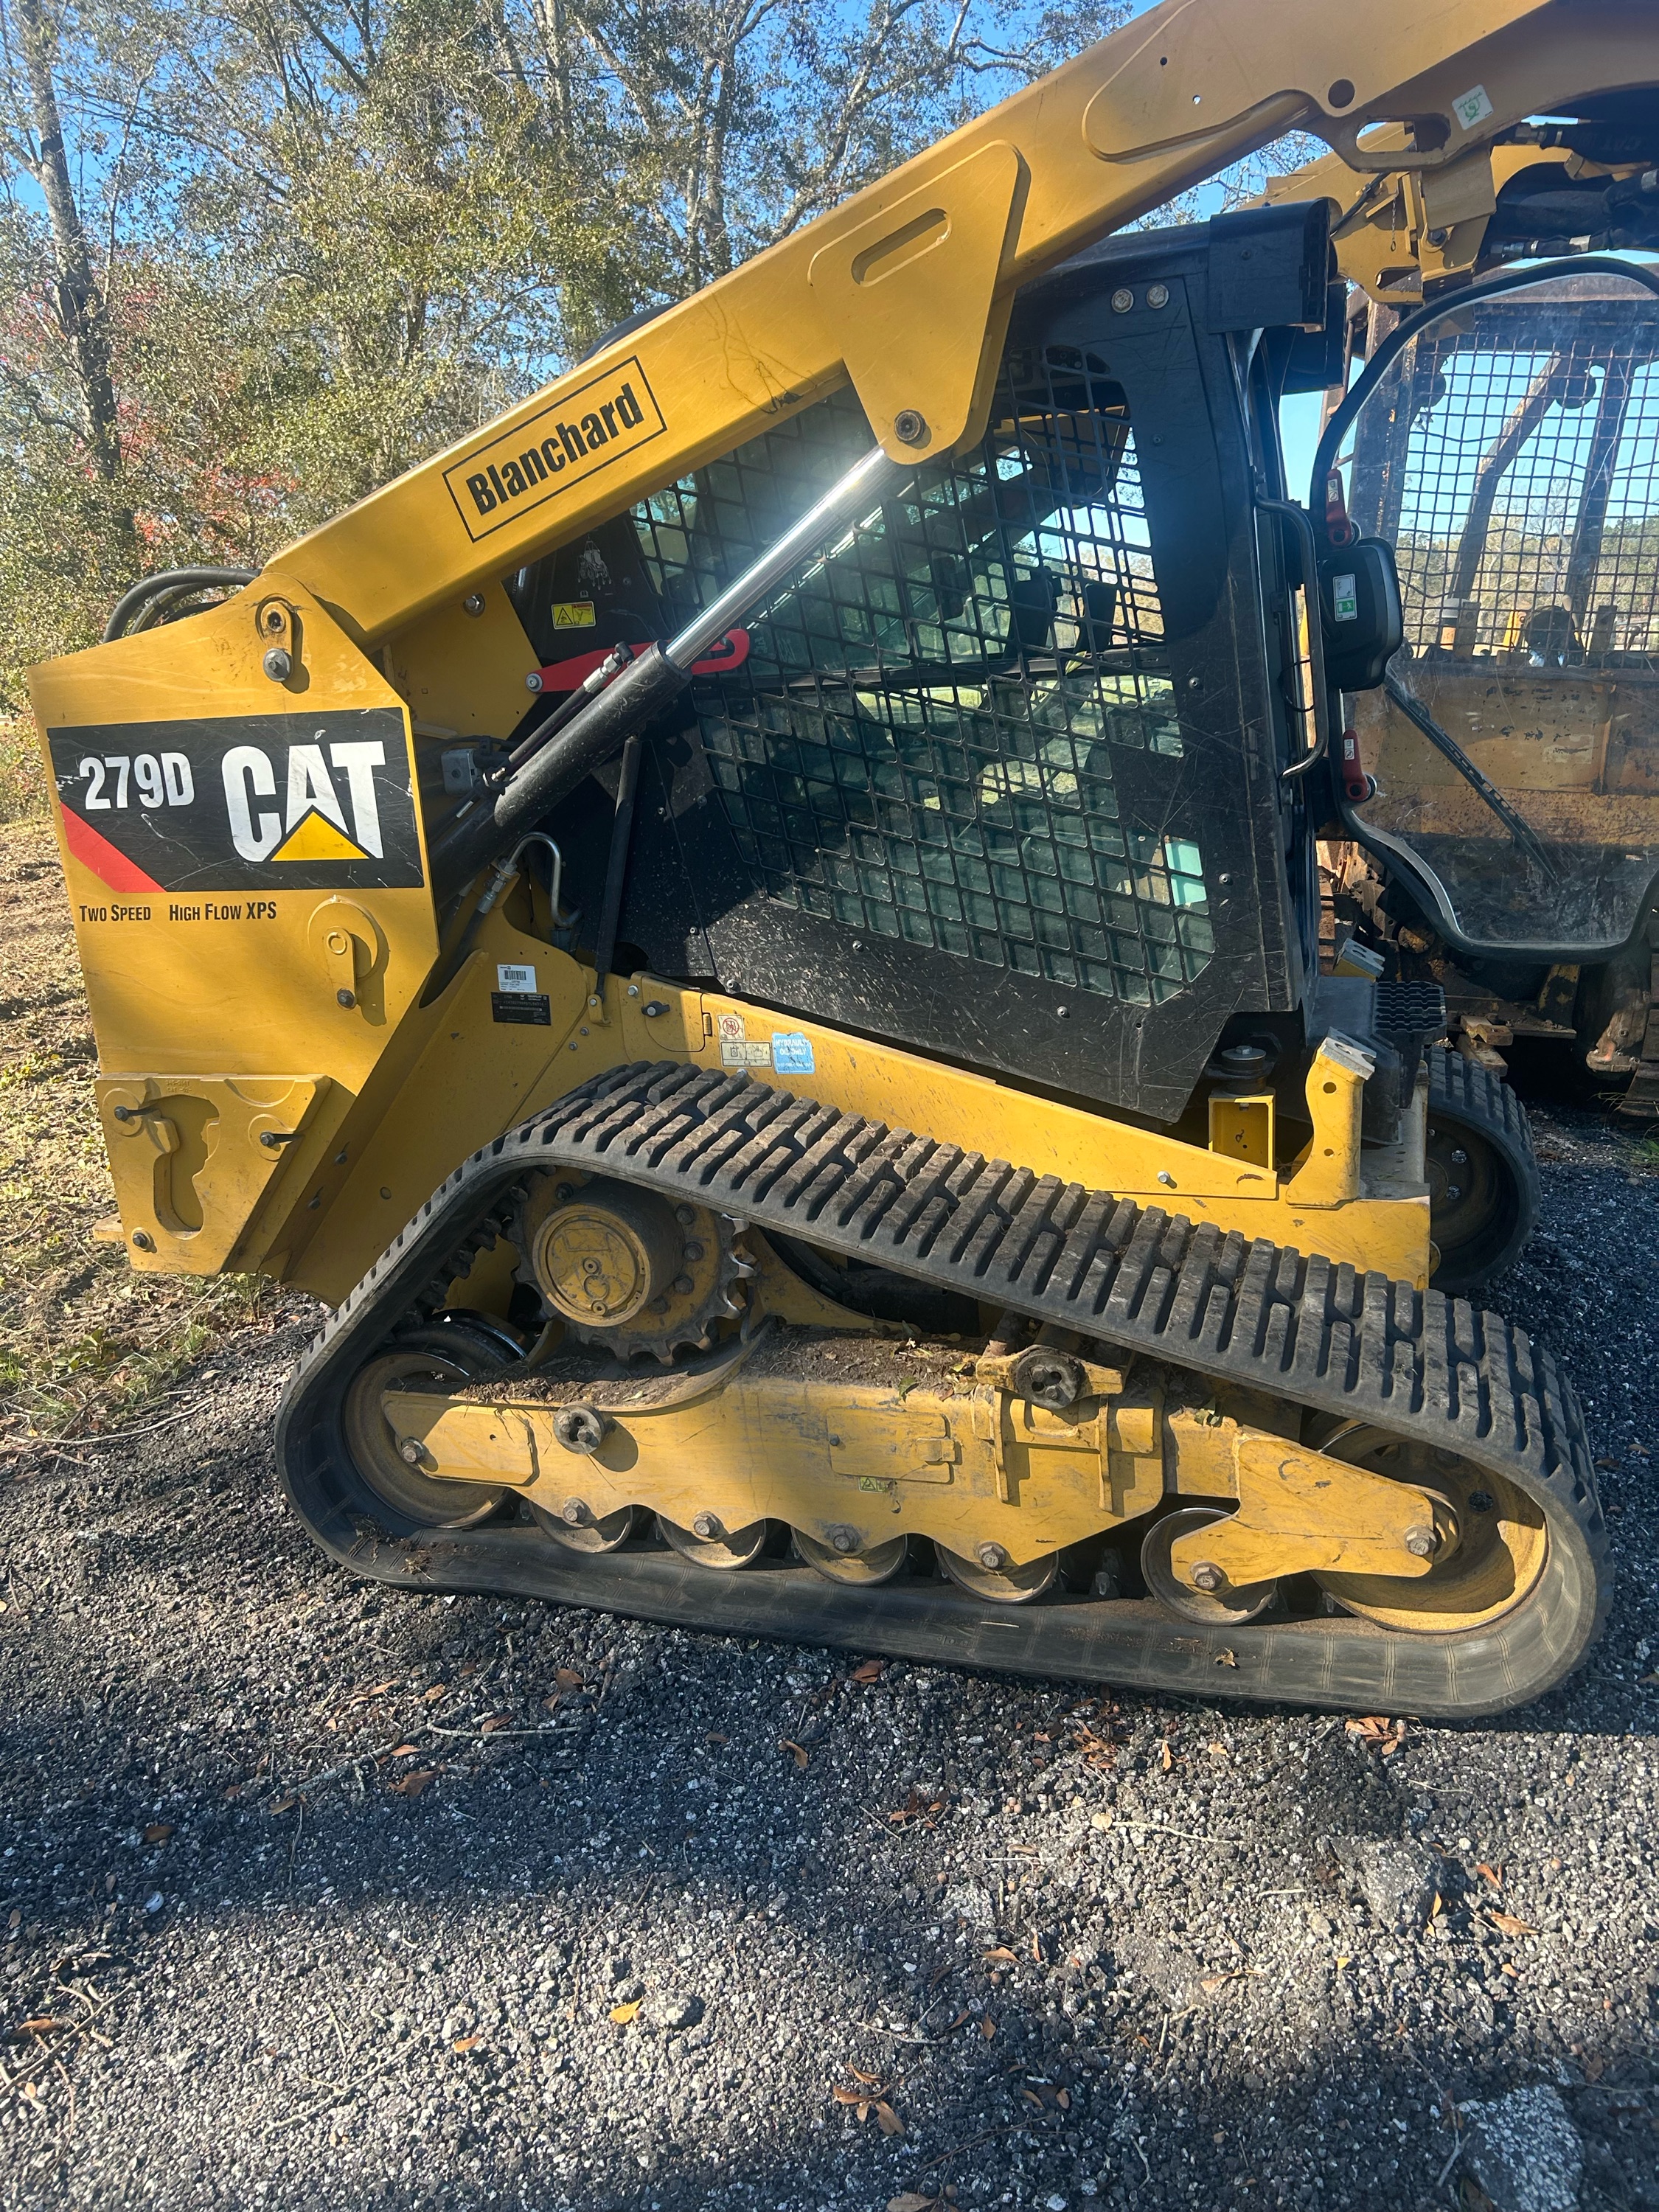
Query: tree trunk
x=82, y=312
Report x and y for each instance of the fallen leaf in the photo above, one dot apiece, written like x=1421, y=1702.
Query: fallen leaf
x=987, y=2027
x=1218, y=1750
x=413, y=1783
x=908, y=2201
x=1511, y=1924
x=1166, y=1757
x=466, y=2043
x=1063, y=2098
x=566, y=1678
x=44, y=2025
x=713, y=1736
x=873, y=2080
x=802, y=1756
x=1002, y=1956
x=889, y=2121
x=1384, y=1734
x=1437, y=1907
x=1036, y=1947
x=1494, y=1875
x=437, y=1691
x=843, y=2095
x=1513, y=1971
x=623, y=2014
x=1031, y=2097
x=496, y=1721
x=1226, y=1659
x=404, y=1751
x=158, y=1831
x=1343, y=1960
x=286, y=1804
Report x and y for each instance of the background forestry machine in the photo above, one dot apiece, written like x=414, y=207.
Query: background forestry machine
x=817, y=812
x=1504, y=439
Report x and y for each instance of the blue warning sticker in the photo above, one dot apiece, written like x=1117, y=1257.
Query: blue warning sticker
x=792, y=1053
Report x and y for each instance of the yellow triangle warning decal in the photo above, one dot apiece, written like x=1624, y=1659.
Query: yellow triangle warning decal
x=314, y=838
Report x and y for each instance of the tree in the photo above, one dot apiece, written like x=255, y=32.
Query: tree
x=257, y=257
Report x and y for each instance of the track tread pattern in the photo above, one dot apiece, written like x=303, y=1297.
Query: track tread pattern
x=1299, y=1327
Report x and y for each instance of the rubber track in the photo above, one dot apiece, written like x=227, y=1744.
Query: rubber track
x=1464, y=1091
x=1303, y=1328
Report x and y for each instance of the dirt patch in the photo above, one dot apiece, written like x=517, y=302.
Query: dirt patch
x=806, y=1355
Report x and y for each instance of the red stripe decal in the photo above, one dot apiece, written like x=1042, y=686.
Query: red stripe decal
x=97, y=853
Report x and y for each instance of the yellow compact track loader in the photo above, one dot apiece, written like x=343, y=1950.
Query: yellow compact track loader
x=753, y=930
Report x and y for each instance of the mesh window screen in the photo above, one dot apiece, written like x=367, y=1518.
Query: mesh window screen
x=1511, y=454
x=921, y=744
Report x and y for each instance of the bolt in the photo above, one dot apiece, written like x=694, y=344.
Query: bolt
x=1480, y=1501
x=1422, y=1543
x=909, y=428
x=474, y=603
x=1460, y=1159
x=1439, y=237
x=1166, y=1178
x=1122, y=300
x=590, y=1267
x=1063, y=1013
x=573, y=1512
x=659, y=1305
x=706, y=1526
x=564, y=1194
x=1454, y=1190
x=653, y=1007
x=1207, y=1577
x=533, y=681
x=681, y=1286
x=1158, y=295
x=346, y=999
x=142, y=1241
x=279, y=664
x=685, y=1215
x=844, y=1540
x=694, y=1251
x=411, y=1451
x=992, y=1556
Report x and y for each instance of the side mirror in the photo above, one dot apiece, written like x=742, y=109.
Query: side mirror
x=1359, y=602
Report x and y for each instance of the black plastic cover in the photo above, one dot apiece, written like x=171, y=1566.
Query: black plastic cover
x=1360, y=599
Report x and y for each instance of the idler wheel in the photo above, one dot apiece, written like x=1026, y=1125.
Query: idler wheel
x=439, y=1355
x=1498, y=1554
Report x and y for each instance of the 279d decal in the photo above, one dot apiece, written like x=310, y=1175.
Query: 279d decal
x=255, y=802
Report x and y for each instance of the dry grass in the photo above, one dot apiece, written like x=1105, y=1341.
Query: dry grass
x=23, y=772
x=84, y=1342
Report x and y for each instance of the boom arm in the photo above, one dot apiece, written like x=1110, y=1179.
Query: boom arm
x=905, y=289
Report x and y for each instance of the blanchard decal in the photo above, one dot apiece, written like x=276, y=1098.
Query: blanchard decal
x=257, y=802
x=588, y=429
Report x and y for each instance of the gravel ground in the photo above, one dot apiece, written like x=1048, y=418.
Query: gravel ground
x=314, y=1894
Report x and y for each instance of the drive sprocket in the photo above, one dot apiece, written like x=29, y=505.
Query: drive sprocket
x=627, y=1269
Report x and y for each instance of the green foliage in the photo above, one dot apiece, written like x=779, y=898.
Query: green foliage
x=305, y=243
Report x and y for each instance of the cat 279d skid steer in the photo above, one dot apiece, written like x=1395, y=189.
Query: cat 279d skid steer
x=768, y=898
